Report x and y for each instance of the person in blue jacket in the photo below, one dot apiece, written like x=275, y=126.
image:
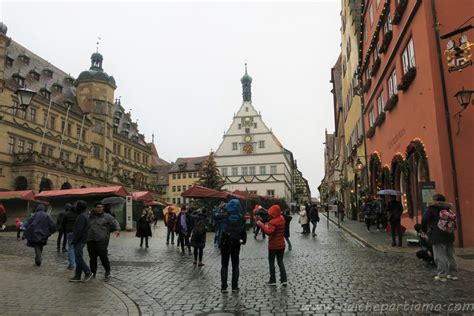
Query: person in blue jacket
x=40, y=227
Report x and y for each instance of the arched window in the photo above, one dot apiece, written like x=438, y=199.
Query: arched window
x=45, y=185
x=21, y=183
x=417, y=166
x=66, y=186
x=375, y=173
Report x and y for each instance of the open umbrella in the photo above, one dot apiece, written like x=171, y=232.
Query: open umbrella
x=113, y=200
x=389, y=192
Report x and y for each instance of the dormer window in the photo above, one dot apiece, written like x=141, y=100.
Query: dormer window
x=48, y=73
x=19, y=79
x=24, y=58
x=68, y=104
x=69, y=80
x=35, y=75
x=9, y=61
x=57, y=88
x=45, y=93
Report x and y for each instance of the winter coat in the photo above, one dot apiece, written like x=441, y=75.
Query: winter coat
x=69, y=220
x=303, y=217
x=170, y=220
x=178, y=227
x=100, y=226
x=81, y=226
x=395, y=210
x=429, y=223
x=198, y=239
x=234, y=233
x=288, y=219
x=275, y=228
x=143, y=226
x=313, y=214
x=40, y=227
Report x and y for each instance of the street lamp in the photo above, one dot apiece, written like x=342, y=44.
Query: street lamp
x=358, y=167
x=464, y=97
x=24, y=99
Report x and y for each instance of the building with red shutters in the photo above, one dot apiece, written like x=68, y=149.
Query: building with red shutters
x=415, y=137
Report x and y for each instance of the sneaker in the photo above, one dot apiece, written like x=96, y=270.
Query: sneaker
x=167, y=243
x=289, y=249
x=235, y=290
x=452, y=277
x=69, y=267
x=195, y=262
x=107, y=276
x=74, y=279
x=87, y=277
x=269, y=283
x=200, y=264
x=284, y=284
x=224, y=290
x=440, y=278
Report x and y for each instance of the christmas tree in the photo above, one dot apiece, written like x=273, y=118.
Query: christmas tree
x=210, y=176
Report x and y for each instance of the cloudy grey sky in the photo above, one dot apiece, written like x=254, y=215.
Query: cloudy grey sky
x=178, y=65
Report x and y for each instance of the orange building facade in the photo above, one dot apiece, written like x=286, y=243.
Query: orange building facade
x=415, y=140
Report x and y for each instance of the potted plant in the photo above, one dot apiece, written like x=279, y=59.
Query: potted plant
x=371, y=132
x=407, y=79
x=397, y=17
x=387, y=38
x=380, y=119
x=375, y=67
x=366, y=86
x=391, y=103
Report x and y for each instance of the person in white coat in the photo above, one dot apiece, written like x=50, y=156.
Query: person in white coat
x=304, y=220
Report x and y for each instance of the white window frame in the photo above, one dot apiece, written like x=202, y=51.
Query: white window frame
x=380, y=103
x=245, y=171
x=11, y=145
x=263, y=170
x=261, y=144
x=252, y=170
x=224, y=172
x=408, y=56
x=235, y=146
x=273, y=169
x=371, y=118
x=371, y=15
x=392, y=84
x=235, y=171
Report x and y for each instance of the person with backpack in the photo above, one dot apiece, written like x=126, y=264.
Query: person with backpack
x=233, y=236
x=395, y=210
x=439, y=222
x=170, y=222
x=198, y=235
x=288, y=219
x=275, y=229
x=40, y=227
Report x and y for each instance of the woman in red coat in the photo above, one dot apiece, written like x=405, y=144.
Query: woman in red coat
x=275, y=229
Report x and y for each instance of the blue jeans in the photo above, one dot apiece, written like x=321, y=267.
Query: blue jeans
x=217, y=236
x=70, y=255
x=81, y=265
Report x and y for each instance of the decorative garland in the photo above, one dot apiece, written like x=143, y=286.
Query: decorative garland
x=417, y=148
x=227, y=179
x=385, y=174
x=375, y=167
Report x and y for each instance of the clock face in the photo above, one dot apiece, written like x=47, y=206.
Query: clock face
x=248, y=138
x=247, y=121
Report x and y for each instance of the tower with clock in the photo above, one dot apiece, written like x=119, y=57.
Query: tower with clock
x=250, y=156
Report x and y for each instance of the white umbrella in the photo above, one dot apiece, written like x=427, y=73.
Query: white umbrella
x=389, y=192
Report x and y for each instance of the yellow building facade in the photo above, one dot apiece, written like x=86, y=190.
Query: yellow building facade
x=184, y=173
x=74, y=134
x=352, y=106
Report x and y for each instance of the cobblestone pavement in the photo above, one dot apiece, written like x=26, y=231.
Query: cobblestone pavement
x=327, y=274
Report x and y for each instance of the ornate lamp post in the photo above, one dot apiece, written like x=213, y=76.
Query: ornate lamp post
x=358, y=167
x=24, y=99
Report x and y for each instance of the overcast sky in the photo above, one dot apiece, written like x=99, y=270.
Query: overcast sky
x=178, y=65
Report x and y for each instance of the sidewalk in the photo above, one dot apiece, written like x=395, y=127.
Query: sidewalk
x=382, y=241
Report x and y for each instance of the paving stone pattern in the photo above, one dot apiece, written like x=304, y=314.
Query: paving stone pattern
x=327, y=274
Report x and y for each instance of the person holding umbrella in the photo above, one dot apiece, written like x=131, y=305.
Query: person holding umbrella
x=395, y=211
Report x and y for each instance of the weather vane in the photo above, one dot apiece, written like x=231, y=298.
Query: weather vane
x=98, y=43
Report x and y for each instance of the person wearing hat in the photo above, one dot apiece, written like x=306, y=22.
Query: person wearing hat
x=40, y=227
x=100, y=226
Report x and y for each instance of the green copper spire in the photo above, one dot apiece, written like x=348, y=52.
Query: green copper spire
x=246, y=81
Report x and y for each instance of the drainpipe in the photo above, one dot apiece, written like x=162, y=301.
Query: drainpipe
x=448, y=124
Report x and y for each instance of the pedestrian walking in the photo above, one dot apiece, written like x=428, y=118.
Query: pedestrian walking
x=257, y=229
x=218, y=223
x=59, y=225
x=368, y=214
x=379, y=206
x=439, y=221
x=143, y=227
x=395, y=210
x=79, y=239
x=3, y=217
x=288, y=219
x=198, y=235
x=314, y=218
x=233, y=236
x=68, y=222
x=100, y=226
x=40, y=227
x=275, y=229
x=183, y=228
x=18, y=226
x=170, y=222
x=303, y=220
x=341, y=210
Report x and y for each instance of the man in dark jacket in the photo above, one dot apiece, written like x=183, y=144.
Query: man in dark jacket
x=314, y=218
x=233, y=236
x=59, y=225
x=170, y=221
x=395, y=209
x=68, y=222
x=288, y=219
x=442, y=241
x=183, y=228
x=79, y=239
x=40, y=227
x=100, y=226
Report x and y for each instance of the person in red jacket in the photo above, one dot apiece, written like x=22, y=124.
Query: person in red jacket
x=275, y=229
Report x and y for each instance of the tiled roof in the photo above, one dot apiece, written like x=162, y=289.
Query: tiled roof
x=188, y=164
x=40, y=66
